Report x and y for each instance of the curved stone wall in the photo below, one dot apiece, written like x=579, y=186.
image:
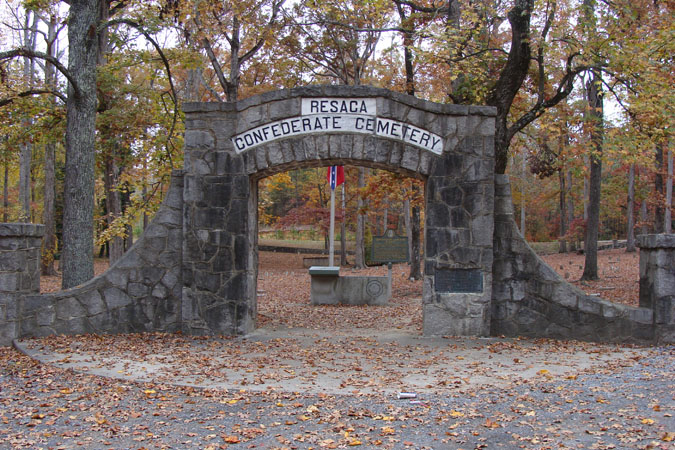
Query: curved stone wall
x=531, y=299
x=140, y=292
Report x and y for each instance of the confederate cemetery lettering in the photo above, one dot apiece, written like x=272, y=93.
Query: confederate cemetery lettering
x=350, y=115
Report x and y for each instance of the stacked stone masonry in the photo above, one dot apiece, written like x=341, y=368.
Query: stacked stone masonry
x=195, y=267
x=220, y=267
x=657, y=281
x=531, y=299
x=19, y=272
x=140, y=292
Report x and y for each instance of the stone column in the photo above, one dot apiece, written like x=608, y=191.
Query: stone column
x=19, y=272
x=657, y=282
x=458, y=238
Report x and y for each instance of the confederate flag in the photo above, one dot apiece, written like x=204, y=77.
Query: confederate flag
x=335, y=176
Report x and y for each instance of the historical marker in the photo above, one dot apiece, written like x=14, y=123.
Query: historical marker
x=389, y=248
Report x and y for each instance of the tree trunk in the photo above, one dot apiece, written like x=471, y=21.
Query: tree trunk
x=523, y=171
x=415, y=256
x=659, y=217
x=643, y=217
x=5, y=193
x=360, y=262
x=78, y=212
x=385, y=220
x=26, y=148
x=48, y=209
x=408, y=232
x=112, y=170
x=563, y=211
x=413, y=218
x=113, y=204
x=146, y=218
x=49, y=213
x=235, y=45
x=668, y=220
x=511, y=78
x=630, y=211
x=194, y=77
x=595, y=104
x=415, y=229
x=570, y=207
x=343, y=231
x=25, y=157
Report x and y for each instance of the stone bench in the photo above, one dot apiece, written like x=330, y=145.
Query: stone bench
x=329, y=288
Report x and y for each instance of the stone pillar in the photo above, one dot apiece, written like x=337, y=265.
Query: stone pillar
x=20, y=245
x=458, y=238
x=219, y=226
x=657, y=282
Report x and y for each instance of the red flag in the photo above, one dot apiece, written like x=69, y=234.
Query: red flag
x=335, y=176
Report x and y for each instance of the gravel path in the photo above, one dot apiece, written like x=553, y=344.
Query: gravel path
x=584, y=396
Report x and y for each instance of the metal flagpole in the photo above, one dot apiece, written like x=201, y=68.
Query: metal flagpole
x=333, y=182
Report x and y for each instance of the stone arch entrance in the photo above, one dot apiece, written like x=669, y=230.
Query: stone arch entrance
x=194, y=269
x=229, y=147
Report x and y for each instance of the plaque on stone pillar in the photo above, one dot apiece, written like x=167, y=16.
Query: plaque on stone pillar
x=459, y=281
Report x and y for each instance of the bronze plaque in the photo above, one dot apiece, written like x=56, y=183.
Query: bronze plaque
x=460, y=281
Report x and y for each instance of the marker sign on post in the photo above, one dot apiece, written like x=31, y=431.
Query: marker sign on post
x=389, y=248
x=339, y=115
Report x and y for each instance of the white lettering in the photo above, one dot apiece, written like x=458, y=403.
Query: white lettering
x=338, y=123
x=363, y=106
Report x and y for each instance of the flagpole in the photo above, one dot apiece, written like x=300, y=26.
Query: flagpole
x=331, y=253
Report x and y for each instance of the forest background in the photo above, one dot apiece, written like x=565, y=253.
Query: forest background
x=90, y=122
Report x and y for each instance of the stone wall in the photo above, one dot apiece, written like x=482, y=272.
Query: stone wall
x=530, y=298
x=140, y=292
x=657, y=281
x=19, y=272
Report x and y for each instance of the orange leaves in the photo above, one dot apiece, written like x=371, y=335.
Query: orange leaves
x=668, y=436
x=387, y=430
x=491, y=424
x=231, y=439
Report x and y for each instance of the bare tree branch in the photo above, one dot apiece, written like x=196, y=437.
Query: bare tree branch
x=424, y=9
x=276, y=7
x=39, y=55
x=165, y=61
x=564, y=88
x=31, y=92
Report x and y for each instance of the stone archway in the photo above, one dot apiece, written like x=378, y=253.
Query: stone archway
x=228, y=147
x=195, y=269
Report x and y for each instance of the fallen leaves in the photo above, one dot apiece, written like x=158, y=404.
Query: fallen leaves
x=549, y=399
x=618, y=270
x=231, y=439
